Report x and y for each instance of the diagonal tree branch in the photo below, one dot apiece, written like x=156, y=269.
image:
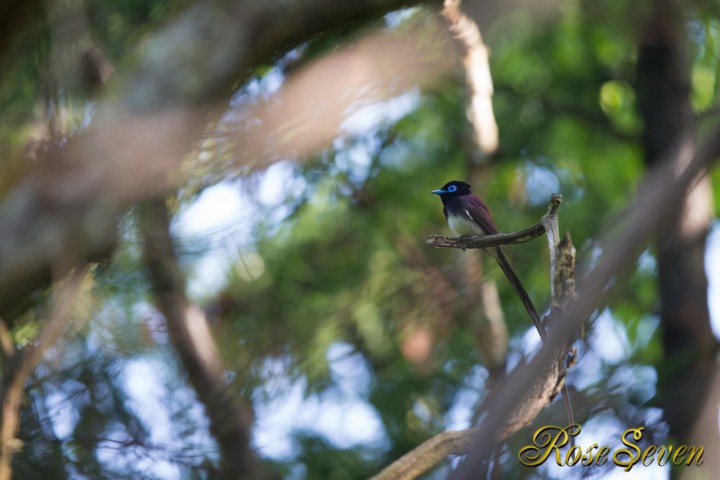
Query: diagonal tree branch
x=192, y=339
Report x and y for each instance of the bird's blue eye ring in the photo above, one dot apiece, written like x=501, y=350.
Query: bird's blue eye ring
x=451, y=188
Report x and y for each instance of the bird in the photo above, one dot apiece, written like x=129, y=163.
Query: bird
x=466, y=214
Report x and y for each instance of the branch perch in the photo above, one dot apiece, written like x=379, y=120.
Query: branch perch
x=487, y=241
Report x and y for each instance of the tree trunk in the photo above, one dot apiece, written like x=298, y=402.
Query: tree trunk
x=663, y=87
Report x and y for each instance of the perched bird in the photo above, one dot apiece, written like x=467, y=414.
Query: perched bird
x=467, y=215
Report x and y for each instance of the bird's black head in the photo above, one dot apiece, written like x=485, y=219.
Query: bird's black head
x=452, y=189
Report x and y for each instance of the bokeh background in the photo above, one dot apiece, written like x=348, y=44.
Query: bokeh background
x=258, y=174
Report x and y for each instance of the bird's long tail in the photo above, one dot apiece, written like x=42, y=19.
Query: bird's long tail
x=530, y=307
x=520, y=290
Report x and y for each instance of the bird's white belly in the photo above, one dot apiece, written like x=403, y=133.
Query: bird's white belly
x=460, y=226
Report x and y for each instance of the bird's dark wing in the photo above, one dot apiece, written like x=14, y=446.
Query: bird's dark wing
x=480, y=214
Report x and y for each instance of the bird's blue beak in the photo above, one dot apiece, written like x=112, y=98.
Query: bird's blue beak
x=439, y=192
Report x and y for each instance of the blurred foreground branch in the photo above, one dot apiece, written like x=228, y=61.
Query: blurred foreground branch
x=192, y=339
x=478, y=79
x=541, y=390
x=144, y=127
